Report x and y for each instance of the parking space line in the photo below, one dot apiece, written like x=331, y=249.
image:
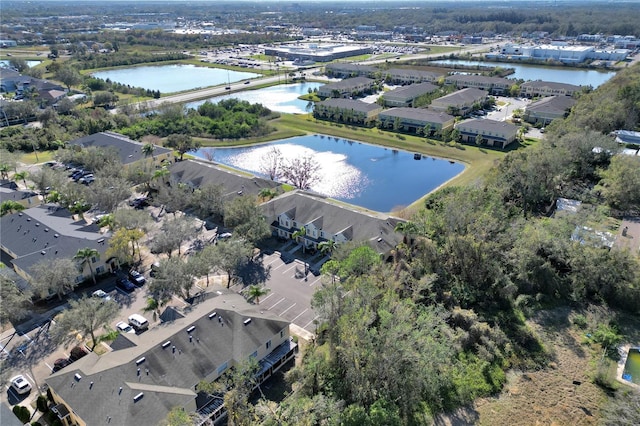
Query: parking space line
x=310, y=322
x=268, y=296
x=317, y=279
x=48, y=366
x=272, y=306
x=299, y=315
x=279, y=266
x=283, y=312
x=292, y=266
x=273, y=261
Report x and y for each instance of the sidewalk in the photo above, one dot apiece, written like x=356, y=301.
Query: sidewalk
x=630, y=241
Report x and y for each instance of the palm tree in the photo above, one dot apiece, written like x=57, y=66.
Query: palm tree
x=300, y=233
x=152, y=306
x=407, y=229
x=22, y=176
x=107, y=220
x=86, y=255
x=327, y=247
x=4, y=171
x=148, y=149
x=161, y=174
x=10, y=206
x=255, y=292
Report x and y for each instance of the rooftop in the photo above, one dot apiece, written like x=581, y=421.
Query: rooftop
x=421, y=114
x=128, y=150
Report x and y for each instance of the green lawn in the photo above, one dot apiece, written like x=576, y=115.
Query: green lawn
x=42, y=156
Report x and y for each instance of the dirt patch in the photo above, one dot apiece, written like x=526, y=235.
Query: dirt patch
x=560, y=394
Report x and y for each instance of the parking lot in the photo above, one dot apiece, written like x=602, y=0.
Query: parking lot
x=291, y=286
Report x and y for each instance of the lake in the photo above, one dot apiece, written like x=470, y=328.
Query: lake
x=578, y=76
x=373, y=177
x=173, y=78
x=280, y=98
x=5, y=63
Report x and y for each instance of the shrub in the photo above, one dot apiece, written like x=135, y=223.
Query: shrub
x=580, y=321
x=22, y=413
x=42, y=403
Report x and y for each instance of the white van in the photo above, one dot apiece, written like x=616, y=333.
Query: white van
x=138, y=322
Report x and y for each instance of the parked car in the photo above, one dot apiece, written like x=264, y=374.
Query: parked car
x=60, y=363
x=76, y=353
x=138, y=322
x=137, y=277
x=87, y=179
x=124, y=284
x=139, y=203
x=123, y=327
x=101, y=294
x=20, y=385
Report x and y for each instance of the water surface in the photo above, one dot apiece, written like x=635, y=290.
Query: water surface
x=578, y=76
x=377, y=178
x=173, y=78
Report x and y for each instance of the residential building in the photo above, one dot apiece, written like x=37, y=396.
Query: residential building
x=460, y=102
x=347, y=110
x=493, y=85
x=547, y=109
x=26, y=198
x=493, y=133
x=348, y=70
x=48, y=232
x=409, y=76
x=147, y=375
x=197, y=173
x=628, y=137
x=129, y=151
x=536, y=88
x=413, y=119
x=346, y=88
x=324, y=220
x=404, y=96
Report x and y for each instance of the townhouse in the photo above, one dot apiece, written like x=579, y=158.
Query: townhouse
x=492, y=133
x=413, y=119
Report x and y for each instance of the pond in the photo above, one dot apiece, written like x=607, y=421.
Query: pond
x=578, y=76
x=373, y=177
x=632, y=366
x=281, y=98
x=173, y=78
x=5, y=63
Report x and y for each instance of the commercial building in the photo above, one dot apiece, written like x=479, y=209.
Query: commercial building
x=561, y=52
x=316, y=52
x=413, y=119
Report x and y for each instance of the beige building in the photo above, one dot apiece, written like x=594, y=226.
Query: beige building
x=413, y=119
x=346, y=88
x=347, y=110
x=492, y=133
x=460, y=102
x=532, y=89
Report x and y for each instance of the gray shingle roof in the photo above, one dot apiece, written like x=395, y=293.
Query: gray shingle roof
x=197, y=173
x=128, y=150
x=7, y=194
x=483, y=79
x=552, y=104
x=411, y=91
x=349, y=104
x=550, y=84
x=486, y=125
x=421, y=114
x=377, y=229
x=47, y=232
x=172, y=374
x=348, y=83
x=469, y=94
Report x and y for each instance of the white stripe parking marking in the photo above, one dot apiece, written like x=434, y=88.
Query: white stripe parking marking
x=310, y=322
x=272, y=306
x=283, y=312
x=271, y=294
x=279, y=266
x=48, y=366
x=292, y=266
x=317, y=279
x=299, y=315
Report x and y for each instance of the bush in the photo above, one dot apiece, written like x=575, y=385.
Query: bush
x=22, y=413
x=580, y=321
x=42, y=403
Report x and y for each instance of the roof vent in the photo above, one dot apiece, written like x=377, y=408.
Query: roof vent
x=43, y=252
x=28, y=219
x=37, y=224
x=19, y=214
x=138, y=397
x=56, y=235
x=77, y=376
x=140, y=361
x=46, y=229
x=379, y=240
x=190, y=329
x=247, y=321
x=212, y=315
x=166, y=344
x=100, y=241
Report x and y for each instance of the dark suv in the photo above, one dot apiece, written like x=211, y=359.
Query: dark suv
x=124, y=284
